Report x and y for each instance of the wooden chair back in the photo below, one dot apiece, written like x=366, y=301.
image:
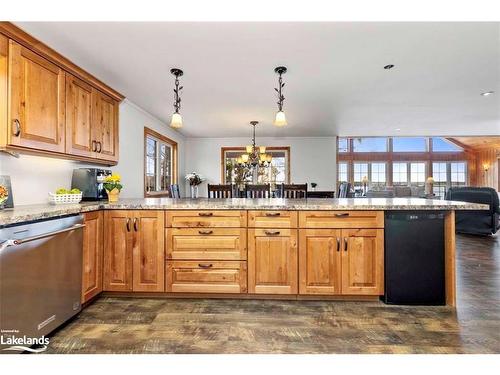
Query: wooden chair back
x=220, y=191
x=294, y=191
x=258, y=191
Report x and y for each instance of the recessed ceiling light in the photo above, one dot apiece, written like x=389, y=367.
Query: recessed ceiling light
x=487, y=93
x=390, y=66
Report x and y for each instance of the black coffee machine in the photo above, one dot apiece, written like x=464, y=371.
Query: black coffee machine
x=90, y=182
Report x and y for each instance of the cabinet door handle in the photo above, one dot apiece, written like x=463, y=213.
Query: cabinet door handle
x=345, y=244
x=205, y=232
x=338, y=244
x=128, y=224
x=16, y=129
x=94, y=146
x=100, y=146
x=135, y=224
x=205, y=214
x=201, y=265
x=344, y=214
x=273, y=214
x=272, y=233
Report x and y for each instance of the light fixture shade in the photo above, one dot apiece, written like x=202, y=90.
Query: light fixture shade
x=280, y=119
x=176, y=121
x=262, y=158
x=269, y=157
x=364, y=180
x=249, y=149
x=429, y=180
x=244, y=157
x=262, y=149
x=239, y=160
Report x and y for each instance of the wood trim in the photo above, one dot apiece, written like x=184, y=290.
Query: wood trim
x=270, y=148
x=175, y=169
x=4, y=62
x=449, y=258
x=15, y=33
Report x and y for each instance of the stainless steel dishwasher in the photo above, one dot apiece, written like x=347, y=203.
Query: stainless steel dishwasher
x=40, y=275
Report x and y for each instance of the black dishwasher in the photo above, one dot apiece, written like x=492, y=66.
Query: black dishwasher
x=414, y=258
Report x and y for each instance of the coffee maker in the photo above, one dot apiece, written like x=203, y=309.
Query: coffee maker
x=90, y=182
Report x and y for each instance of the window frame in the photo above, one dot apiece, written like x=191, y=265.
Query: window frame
x=223, y=151
x=175, y=172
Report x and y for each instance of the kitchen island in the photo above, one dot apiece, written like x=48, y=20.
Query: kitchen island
x=244, y=248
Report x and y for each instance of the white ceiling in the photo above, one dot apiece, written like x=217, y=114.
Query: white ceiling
x=335, y=85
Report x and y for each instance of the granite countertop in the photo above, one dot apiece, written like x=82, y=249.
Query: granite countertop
x=21, y=214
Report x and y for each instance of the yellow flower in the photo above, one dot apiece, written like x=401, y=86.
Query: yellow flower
x=115, y=177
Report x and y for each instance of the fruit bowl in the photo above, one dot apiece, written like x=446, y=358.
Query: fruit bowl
x=65, y=198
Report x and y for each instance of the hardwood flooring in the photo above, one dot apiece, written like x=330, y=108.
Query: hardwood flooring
x=146, y=325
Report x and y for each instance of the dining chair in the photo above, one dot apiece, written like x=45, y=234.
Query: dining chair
x=220, y=191
x=175, y=191
x=293, y=191
x=321, y=194
x=258, y=191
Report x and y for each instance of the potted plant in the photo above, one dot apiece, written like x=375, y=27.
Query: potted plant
x=194, y=180
x=313, y=186
x=113, y=187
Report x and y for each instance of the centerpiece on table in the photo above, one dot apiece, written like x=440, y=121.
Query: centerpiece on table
x=194, y=180
x=113, y=187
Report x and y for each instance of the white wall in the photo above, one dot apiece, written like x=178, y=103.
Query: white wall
x=312, y=159
x=33, y=177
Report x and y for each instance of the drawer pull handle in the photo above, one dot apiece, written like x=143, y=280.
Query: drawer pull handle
x=94, y=146
x=272, y=233
x=128, y=224
x=205, y=214
x=100, y=146
x=345, y=214
x=135, y=224
x=16, y=130
x=205, y=231
x=345, y=244
x=338, y=244
x=271, y=214
x=201, y=265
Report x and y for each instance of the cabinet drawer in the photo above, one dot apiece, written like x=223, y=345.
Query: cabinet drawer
x=203, y=244
x=341, y=219
x=206, y=219
x=206, y=277
x=272, y=219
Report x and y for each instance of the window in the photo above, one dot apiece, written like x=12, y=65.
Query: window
x=160, y=163
x=343, y=144
x=409, y=144
x=443, y=145
x=377, y=175
x=342, y=172
x=400, y=174
x=232, y=173
x=370, y=144
x=440, y=176
x=360, y=171
x=417, y=174
x=458, y=174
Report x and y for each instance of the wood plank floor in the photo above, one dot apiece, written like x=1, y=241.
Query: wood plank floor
x=133, y=325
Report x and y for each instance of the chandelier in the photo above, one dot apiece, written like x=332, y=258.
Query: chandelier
x=255, y=155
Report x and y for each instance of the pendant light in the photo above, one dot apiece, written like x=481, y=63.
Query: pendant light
x=176, y=121
x=280, y=119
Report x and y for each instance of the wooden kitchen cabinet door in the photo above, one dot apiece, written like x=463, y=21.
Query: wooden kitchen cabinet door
x=363, y=261
x=105, y=126
x=272, y=261
x=117, y=251
x=148, y=253
x=37, y=96
x=92, y=255
x=79, y=134
x=319, y=261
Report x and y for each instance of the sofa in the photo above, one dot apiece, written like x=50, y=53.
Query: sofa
x=479, y=222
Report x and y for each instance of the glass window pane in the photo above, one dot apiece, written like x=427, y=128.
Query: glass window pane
x=342, y=172
x=343, y=145
x=377, y=177
x=150, y=164
x=360, y=171
x=442, y=145
x=417, y=174
x=409, y=144
x=400, y=173
x=370, y=144
x=440, y=176
x=458, y=173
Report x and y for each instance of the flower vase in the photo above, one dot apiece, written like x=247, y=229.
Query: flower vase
x=194, y=191
x=113, y=195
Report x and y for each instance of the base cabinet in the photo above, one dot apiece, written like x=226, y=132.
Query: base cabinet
x=134, y=256
x=272, y=261
x=92, y=255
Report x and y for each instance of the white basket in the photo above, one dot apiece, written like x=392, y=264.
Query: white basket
x=64, y=198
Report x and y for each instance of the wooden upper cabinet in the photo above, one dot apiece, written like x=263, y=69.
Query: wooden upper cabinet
x=117, y=251
x=79, y=134
x=272, y=261
x=37, y=96
x=363, y=261
x=92, y=255
x=105, y=126
x=148, y=254
x=319, y=261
